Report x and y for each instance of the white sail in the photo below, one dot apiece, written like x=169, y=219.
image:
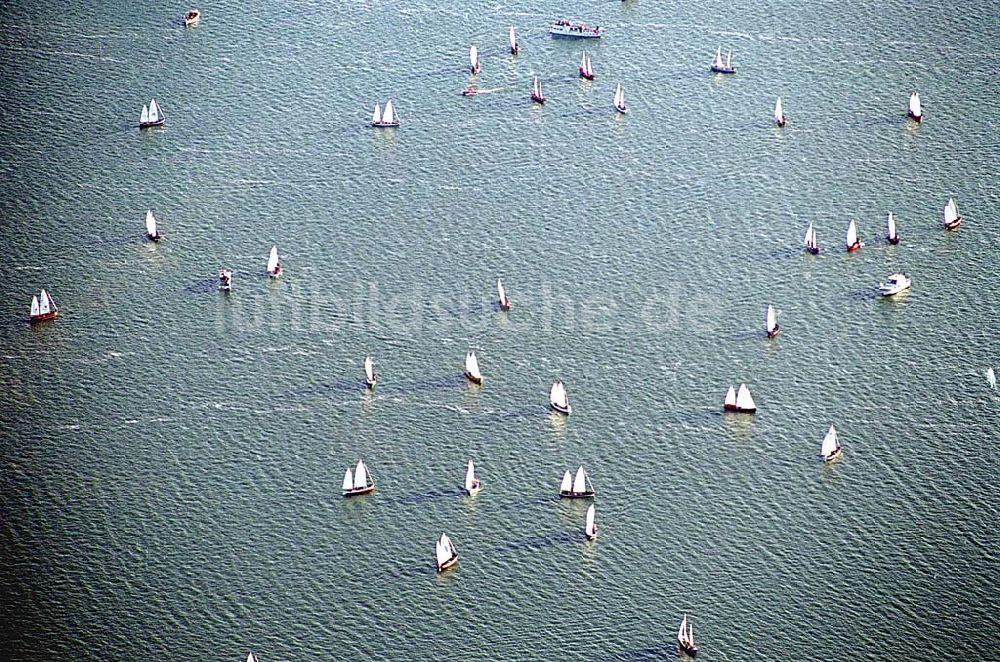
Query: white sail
x=580, y=482
x=691, y=635
x=590, y=525
x=991, y=377
x=144, y=117
x=472, y=365
x=583, y=63
x=154, y=111
x=348, y=480
x=150, y=223
x=557, y=395
x=812, y=241
x=567, y=482
x=682, y=630
x=743, y=398
x=779, y=115
x=729, y=59
x=852, y=233
x=536, y=88
x=718, y=58
x=442, y=552
x=512, y=38
x=590, y=67
x=360, y=475
x=808, y=236
x=251, y=657
x=950, y=211
x=389, y=115
x=501, y=292
x=470, y=476
x=45, y=304
x=369, y=368
x=377, y=115
x=890, y=223
x=830, y=443
x=272, y=260
x=772, y=320
x=619, y=96
x=474, y=56
x=731, y=397
x=34, y=306
x=915, y=104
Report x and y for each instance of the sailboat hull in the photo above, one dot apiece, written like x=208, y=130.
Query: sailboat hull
x=448, y=564
x=953, y=225
x=576, y=495
x=476, y=486
x=537, y=99
x=359, y=491
x=622, y=109
x=150, y=125
x=832, y=456
x=723, y=70
x=690, y=651
x=915, y=118
x=781, y=122
x=370, y=383
x=773, y=333
x=562, y=410
x=584, y=74
x=474, y=380
x=592, y=536
x=856, y=246
x=893, y=240
x=153, y=237
x=45, y=317
x=385, y=125
x=276, y=273
x=505, y=305
x=738, y=410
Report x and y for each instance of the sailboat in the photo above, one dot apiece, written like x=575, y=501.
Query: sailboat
x=589, y=525
x=951, y=218
x=913, y=108
x=472, y=372
x=991, y=378
x=43, y=308
x=779, y=114
x=151, y=116
x=474, y=60
x=445, y=553
x=361, y=482
x=273, y=266
x=251, y=657
x=891, y=234
x=151, y=230
x=685, y=638
x=472, y=484
x=385, y=118
x=536, y=92
x=512, y=39
x=586, y=68
x=577, y=487
x=620, y=100
x=810, y=240
x=723, y=68
x=370, y=377
x=740, y=400
x=225, y=280
x=502, y=294
x=830, y=450
x=558, y=399
x=853, y=243
x=772, y=327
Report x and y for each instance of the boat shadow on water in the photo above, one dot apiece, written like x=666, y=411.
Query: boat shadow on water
x=540, y=542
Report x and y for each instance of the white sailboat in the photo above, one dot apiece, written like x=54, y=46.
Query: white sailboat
x=558, y=399
x=812, y=245
x=151, y=232
x=472, y=372
x=43, y=308
x=991, y=378
x=590, y=525
x=739, y=400
x=474, y=59
x=151, y=115
x=830, y=449
x=445, y=553
x=360, y=483
x=685, y=637
x=913, y=108
x=723, y=68
x=577, y=487
x=586, y=67
x=385, y=118
x=502, y=296
x=370, y=377
x=251, y=657
x=512, y=40
x=273, y=266
x=951, y=218
x=891, y=234
x=536, y=92
x=771, y=326
x=472, y=484
x=620, y=100
x=853, y=243
x=779, y=113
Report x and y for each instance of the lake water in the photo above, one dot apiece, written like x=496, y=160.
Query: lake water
x=171, y=457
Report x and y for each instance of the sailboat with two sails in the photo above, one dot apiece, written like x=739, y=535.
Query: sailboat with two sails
x=578, y=487
x=951, y=218
x=739, y=401
x=586, y=67
x=383, y=119
x=559, y=400
x=536, y=92
x=361, y=482
x=43, y=308
x=152, y=115
x=812, y=245
x=445, y=553
x=685, y=638
x=720, y=67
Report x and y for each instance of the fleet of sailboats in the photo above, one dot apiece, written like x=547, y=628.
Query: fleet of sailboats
x=445, y=553
x=152, y=115
x=273, y=266
x=558, y=399
x=151, y=231
x=810, y=240
x=589, y=524
x=472, y=372
x=620, y=100
x=502, y=296
x=720, y=67
x=951, y=218
x=361, y=482
x=577, y=487
x=853, y=242
x=891, y=233
x=685, y=637
x=43, y=308
x=385, y=118
x=830, y=448
x=472, y=484
x=370, y=377
x=779, y=114
x=913, y=108
x=536, y=92
x=739, y=400
x=586, y=67
x=771, y=325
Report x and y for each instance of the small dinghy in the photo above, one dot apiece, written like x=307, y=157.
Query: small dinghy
x=558, y=399
x=512, y=40
x=192, y=18
x=445, y=553
x=472, y=484
x=620, y=100
x=894, y=284
x=586, y=68
x=273, y=266
x=779, y=113
x=382, y=119
x=739, y=401
x=251, y=657
x=43, y=308
x=360, y=483
x=576, y=488
x=536, y=92
x=951, y=218
x=469, y=91
x=771, y=326
x=991, y=378
x=502, y=295
x=685, y=638
x=151, y=116
x=225, y=280
x=830, y=449
x=370, y=377
x=913, y=108
x=891, y=234
x=723, y=68
x=151, y=231
x=474, y=65
x=589, y=525
x=853, y=243
x=472, y=368
x=810, y=240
